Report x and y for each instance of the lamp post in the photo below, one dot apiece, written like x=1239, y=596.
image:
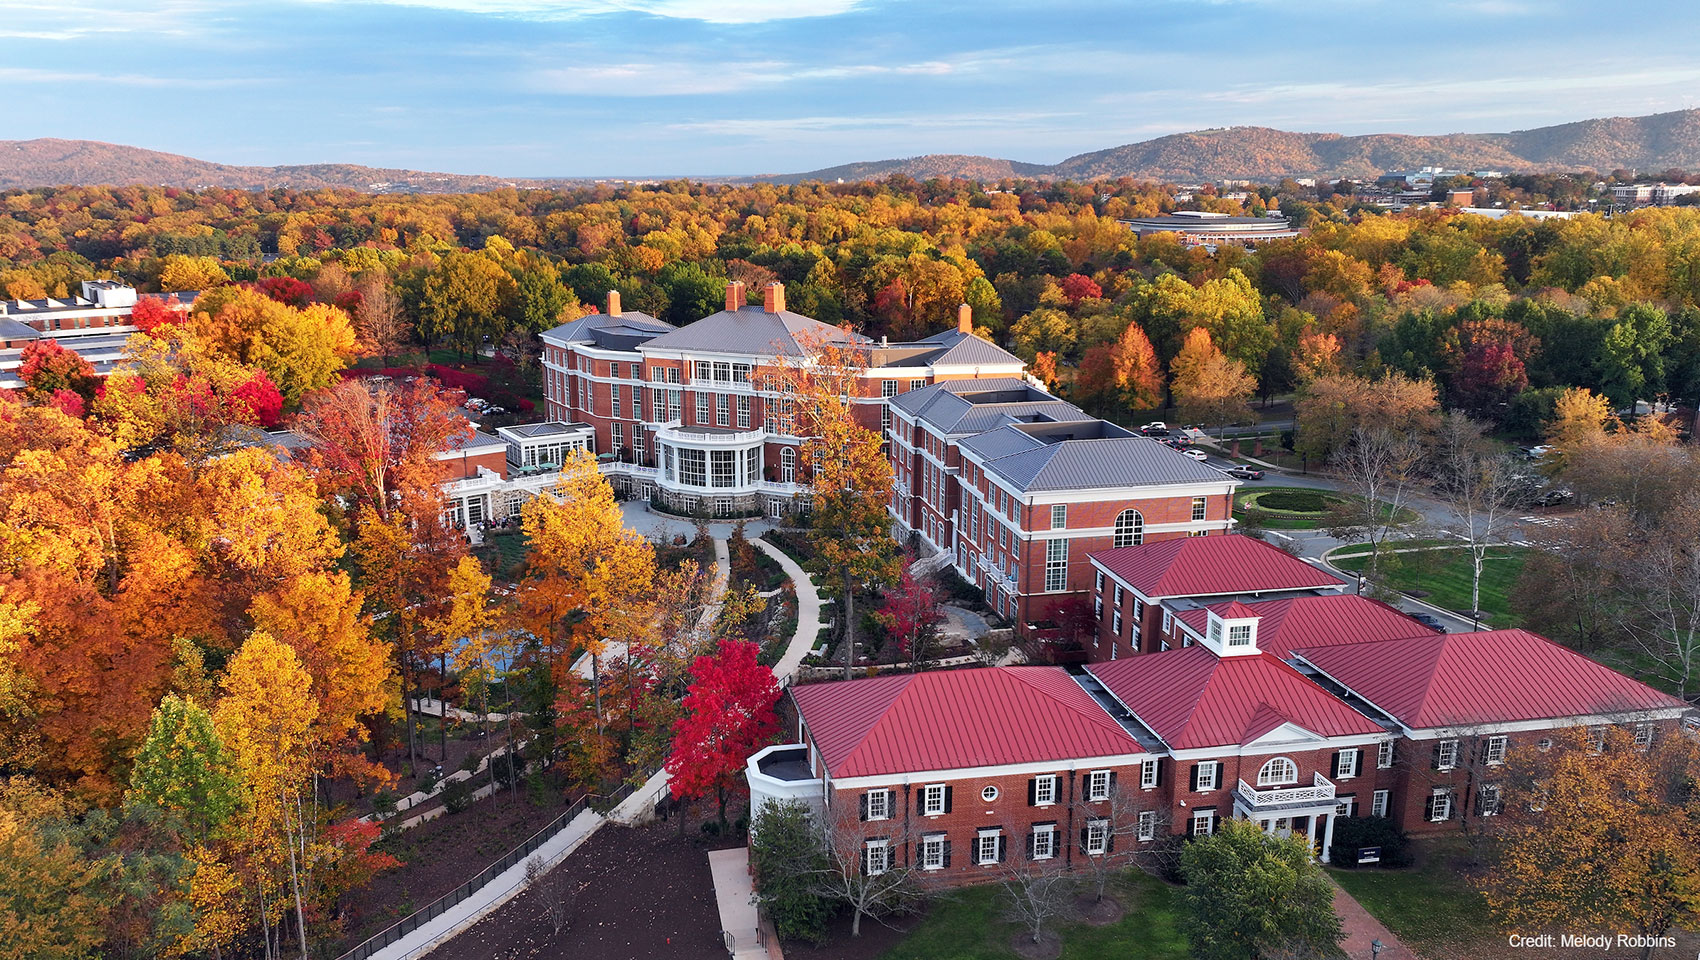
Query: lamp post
x=1375, y=948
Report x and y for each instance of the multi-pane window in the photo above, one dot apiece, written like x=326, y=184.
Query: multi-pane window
x=1044, y=841
x=1148, y=773
x=1098, y=581
x=1345, y=806
x=986, y=844
x=879, y=805
x=1118, y=594
x=722, y=371
x=888, y=388
x=1056, y=564
x=752, y=465
x=722, y=411
x=741, y=372
x=1488, y=801
x=637, y=442
x=1278, y=771
x=1378, y=804
x=1147, y=824
x=1116, y=623
x=693, y=467
x=933, y=799
x=1438, y=807
x=618, y=432
x=1198, y=508
x=1239, y=635
x=1097, y=837
x=917, y=384
x=705, y=406
x=1597, y=739
x=1130, y=529
x=614, y=400
x=1207, y=774
x=700, y=370
x=932, y=851
x=1643, y=736
x=1493, y=751
x=1203, y=823
x=1446, y=754
x=1384, y=755
x=1098, y=785
x=788, y=465
x=743, y=413
x=1045, y=789
x=1059, y=516
x=725, y=467
x=1346, y=764
x=878, y=856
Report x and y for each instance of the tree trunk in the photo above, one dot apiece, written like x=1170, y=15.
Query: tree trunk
x=295, y=885
x=442, y=708
x=856, y=923
x=849, y=626
x=407, y=696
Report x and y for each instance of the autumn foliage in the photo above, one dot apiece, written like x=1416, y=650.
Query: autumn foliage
x=728, y=716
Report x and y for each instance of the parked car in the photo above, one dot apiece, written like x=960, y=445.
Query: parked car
x=495, y=410
x=1198, y=455
x=1244, y=473
x=1428, y=620
x=1538, y=452
x=1154, y=426
x=1552, y=497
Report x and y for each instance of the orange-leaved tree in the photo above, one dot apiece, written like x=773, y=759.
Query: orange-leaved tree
x=1210, y=387
x=1121, y=375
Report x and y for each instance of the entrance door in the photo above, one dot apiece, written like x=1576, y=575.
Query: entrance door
x=474, y=510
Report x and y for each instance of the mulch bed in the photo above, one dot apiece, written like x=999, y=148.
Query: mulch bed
x=640, y=892
x=876, y=939
x=1049, y=946
x=1098, y=913
x=442, y=854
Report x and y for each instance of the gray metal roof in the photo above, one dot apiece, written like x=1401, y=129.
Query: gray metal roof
x=17, y=329
x=998, y=443
x=1098, y=463
x=751, y=331
x=965, y=349
x=596, y=327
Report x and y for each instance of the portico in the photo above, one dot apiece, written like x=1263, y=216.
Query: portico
x=1283, y=811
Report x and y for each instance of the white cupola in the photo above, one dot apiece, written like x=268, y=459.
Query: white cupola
x=1231, y=630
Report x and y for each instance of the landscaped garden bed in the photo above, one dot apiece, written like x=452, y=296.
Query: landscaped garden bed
x=1297, y=508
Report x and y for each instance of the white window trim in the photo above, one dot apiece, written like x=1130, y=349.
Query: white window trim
x=1349, y=764
x=1493, y=752
x=1047, y=784
x=1097, y=837
x=1384, y=755
x=932, y=843
x=1379, y=802
x=884, y=797
x=1148, y=774
x=1098, y=785
x=1147, y=825
x=1213, y=768
x=1448, y=758
x=1048, y=830
x=981, y=843
x=928, y=794
x=884, y=847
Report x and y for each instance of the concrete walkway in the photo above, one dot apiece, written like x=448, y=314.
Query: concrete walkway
x=808, y=612
x=1361, y=928
x=734, y=894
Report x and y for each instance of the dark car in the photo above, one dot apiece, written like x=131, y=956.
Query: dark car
x=1429, y=620
x=1552, y=497
x=1244, y=473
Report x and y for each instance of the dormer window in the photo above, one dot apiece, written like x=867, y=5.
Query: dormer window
x=1239, y=635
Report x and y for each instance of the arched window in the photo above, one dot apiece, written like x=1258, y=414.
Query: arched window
x=788, y=465
x=1278, y=771
x=1130, y=529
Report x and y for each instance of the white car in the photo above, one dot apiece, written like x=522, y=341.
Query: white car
x=1196, y=455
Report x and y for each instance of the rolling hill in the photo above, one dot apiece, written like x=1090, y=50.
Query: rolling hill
x=1649, y=144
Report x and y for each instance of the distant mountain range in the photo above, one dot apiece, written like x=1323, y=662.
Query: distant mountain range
x=1648, y=144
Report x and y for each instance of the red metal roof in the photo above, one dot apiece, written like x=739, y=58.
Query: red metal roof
x=1494, y=676
x=1210, y=566
x=1287, y=623
x=1191, y=698
x=955, y=719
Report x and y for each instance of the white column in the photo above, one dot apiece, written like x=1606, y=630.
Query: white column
x=1310, y=832
x=1327, y=837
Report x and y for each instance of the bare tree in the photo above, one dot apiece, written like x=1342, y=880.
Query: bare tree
x=383, y=328
x=865, y=867
x=1483, y=492
x=1122, y=831
x=1381, y=468
x=1658, y=567
x=555, y=891
x=1037, y=888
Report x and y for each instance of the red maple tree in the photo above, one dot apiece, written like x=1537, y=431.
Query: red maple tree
x=1078, y=286
x=296, y=293
x=728, y=716
x=151, y=313
x=49, y=368
x=911, y=616
x=257, y=401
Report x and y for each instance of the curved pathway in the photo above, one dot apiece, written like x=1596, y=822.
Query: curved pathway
x=808, y=612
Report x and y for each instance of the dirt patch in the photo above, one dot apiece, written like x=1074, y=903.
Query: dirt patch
x=442, y=854
x=634, y=893
x=1049, y=946
x=1098, y=913
x=876, y=939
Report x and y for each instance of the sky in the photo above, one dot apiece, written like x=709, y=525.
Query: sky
x=718, y=87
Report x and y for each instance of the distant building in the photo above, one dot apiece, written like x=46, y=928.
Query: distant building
x=1494, y=213
x=1197, y=228
x=1629, y=196
x=94, y=325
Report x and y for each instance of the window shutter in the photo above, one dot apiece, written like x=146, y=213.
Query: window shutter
x=1216, y=768
x=1109, y=840
x=864, y=861
x=1434, y=762
x=1003, y=847
x=947, y=791
x=1113, y=781
x=947, y=854
x=1191, y=826
x=864, y=807
x=1195, y=771
x=1032, y=844
x=1337, y=773
x=1033, y=792
x=1082, y=839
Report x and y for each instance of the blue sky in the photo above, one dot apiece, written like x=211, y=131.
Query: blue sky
x=657, y=87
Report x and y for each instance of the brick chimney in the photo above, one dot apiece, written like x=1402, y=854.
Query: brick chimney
x=965, y=319
x=735, y=298
x=613, y=303
x=773, y=297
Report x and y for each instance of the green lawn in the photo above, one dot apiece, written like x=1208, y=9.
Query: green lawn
x=967, y=925
x=1290, y=508
x=1445, y=576
x=1431, y=907
x=501, y=553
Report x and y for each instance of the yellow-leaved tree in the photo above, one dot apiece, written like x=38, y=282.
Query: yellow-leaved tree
x=266, y=721
x=467, y=629
x=1210, y=387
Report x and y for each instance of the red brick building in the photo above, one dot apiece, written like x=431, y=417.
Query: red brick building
x=1020, y=489
x=687, y=415
x=95, y=325
x=1293, y=709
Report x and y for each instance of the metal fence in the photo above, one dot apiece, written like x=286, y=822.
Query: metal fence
x=442, y=904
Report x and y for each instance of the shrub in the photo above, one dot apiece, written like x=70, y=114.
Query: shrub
x=1295, y=501
x=785, y=855
x=457, y=796
x=1353, y=833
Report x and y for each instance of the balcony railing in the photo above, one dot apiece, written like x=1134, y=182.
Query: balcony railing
x=1321, y=790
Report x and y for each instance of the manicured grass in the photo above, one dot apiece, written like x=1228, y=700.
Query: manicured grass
x=968, y=925
x=502, y=552
x=1445, y=576
x=1431, y=907
x=1284, y=508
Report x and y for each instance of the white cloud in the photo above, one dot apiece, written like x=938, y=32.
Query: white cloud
x=779, y=127
x=43, y=75
x=710, y=11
